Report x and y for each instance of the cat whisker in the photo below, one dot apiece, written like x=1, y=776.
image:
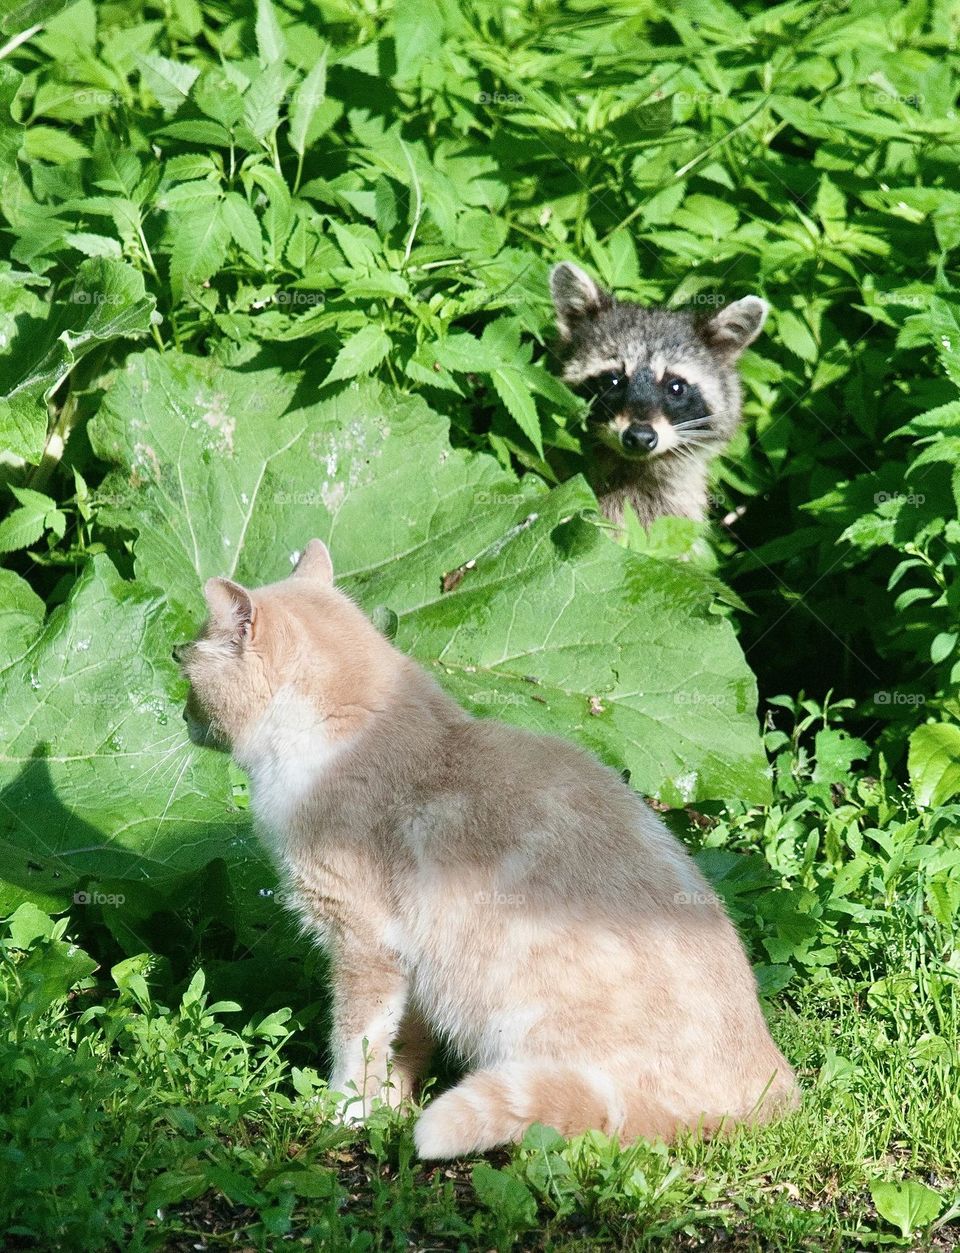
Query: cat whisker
x=173, y=792
x=150, y=774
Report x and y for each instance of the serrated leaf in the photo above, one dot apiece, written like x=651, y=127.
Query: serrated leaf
x=94, y=245
x=271, y=41
x=169, y=81
x=418, y=34
x=306, y=103
x=241, y=222
x=361, y=354
x=262, y=100
x=200, y=239
x=20, y=528
x=512, y=389
x=278, y=213
x=44, y=143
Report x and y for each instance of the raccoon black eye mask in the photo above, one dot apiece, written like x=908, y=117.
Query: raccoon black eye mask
x=663, y=390
x=643, y=397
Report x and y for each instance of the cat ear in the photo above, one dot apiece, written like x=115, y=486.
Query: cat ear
x=575, y=297
x=231, y=609
x=315, y=563
x=735, y=326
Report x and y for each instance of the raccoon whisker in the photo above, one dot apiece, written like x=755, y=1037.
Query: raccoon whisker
x=696, y=439
x=692, y=424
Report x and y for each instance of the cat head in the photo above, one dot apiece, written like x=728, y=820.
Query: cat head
x=659, y=381
x=286, y=658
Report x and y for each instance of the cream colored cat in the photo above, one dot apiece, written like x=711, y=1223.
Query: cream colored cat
x=477, y=883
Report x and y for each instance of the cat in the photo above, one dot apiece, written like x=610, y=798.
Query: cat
x=473, y=882
x=664, y=393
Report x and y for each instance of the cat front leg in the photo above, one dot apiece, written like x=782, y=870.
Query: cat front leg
x=369, y=1000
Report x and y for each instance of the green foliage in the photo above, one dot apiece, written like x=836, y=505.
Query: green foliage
x=277, y=271
x=127, y=1124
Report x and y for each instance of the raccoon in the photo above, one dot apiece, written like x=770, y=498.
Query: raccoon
x=663, y=388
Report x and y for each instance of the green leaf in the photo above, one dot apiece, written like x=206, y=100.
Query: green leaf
x=271, y=41
x=28, y=924
x=17, y=17
x=418, y=34
x=942, y=646
x=96, y=777
x=24, y=526
x=934, y=763
x=169, y=81
x=48, y=973
x=262, y=100
x=909, y=1205
x=505, y=1194
x=108, y=301
x=241, y=221
x=19, y=529
x=306, y=102
x=539, y=629
x=43, y=143
x=511, y=388
x=94, y=245
x=21, y=613
x=361, y=354
x=201, y=236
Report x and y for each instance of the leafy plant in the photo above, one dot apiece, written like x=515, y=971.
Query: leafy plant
x=276, y=271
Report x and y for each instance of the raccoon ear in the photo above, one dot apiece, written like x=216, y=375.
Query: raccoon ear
x=575, y=296
x=735, y=326
x=232, y=611
x=315, y=563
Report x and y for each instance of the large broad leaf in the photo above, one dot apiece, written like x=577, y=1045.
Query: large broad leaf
x=512, y=596
x=108, y=301
x=95, y=776
x=522, y=606
x=934, y=762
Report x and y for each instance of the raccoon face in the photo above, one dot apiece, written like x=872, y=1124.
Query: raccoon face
x=659, y=382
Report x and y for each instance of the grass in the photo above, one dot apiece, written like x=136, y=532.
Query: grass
x=127, y=1125
x=373, y=193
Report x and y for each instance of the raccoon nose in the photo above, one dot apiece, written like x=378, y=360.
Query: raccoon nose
x=637, y=438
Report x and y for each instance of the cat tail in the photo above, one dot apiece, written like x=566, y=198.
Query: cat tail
x=492, y=1107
